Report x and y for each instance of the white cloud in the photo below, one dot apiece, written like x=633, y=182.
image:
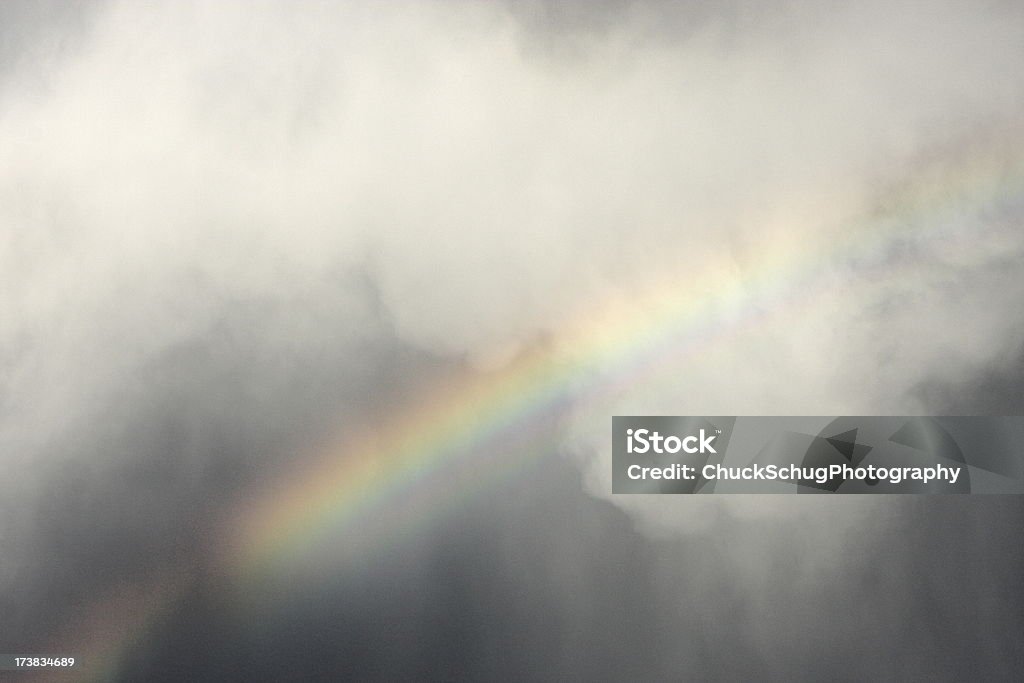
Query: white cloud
x=188, y=154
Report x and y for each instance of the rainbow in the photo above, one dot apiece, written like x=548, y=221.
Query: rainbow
x=353, y=481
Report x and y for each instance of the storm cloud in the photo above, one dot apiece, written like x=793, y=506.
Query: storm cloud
x=228, y=229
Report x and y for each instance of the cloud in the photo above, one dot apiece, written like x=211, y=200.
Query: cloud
x=488, y=179
x=226, y=226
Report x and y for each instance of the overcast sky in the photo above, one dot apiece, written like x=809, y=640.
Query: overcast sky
x=229, y=229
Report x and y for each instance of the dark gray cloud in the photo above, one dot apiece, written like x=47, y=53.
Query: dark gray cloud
x=227, y=230
x=138, y=485
x=992, y=391
x=541, y=582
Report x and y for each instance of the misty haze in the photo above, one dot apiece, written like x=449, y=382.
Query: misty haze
x=314, y=315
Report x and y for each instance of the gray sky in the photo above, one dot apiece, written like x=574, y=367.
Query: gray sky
x=228, y=229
